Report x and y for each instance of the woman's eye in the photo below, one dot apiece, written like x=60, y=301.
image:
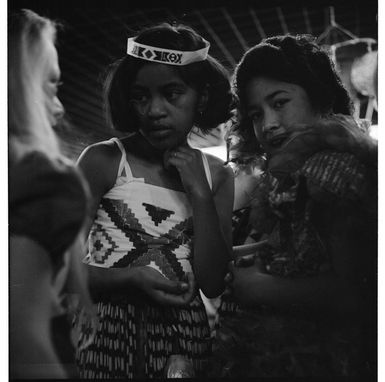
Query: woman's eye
x=139, y=98
x=172, y=95
x=280, y=103
x=54, y=86
x=255, y=116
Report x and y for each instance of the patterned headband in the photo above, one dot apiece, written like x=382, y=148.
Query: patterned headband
x=166, y=56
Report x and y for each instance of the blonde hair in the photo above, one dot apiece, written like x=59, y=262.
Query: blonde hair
x=29, y=128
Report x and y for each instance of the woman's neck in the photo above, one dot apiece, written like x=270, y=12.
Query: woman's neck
x=140, y=147
x=148, y=163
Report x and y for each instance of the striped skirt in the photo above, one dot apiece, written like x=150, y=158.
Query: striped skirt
x=134, y=341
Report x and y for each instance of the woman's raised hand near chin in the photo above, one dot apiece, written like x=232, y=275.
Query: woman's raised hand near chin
x=341, y=133
x=336, y=132
x=188, y=162
x=211, y=214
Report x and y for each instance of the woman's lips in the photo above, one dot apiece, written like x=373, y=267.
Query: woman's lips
x=160, y=132
x=277, y=141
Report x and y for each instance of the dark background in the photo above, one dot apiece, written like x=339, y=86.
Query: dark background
x=94, y=34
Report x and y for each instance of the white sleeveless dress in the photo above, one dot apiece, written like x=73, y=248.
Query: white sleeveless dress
x=140, y=224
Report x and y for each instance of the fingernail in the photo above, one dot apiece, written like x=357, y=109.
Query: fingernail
x=184, y=286
x=229, y=277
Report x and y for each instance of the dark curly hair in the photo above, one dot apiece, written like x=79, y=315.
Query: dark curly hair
x=294, y=59
x=208, y=74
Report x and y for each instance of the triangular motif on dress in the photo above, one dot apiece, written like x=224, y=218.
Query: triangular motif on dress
x=157, y=214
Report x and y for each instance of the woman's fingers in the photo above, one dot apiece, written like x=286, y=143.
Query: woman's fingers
x=173, y=300
x=171, y=286
x=191, y=281
x=182, y=158
x=166, y=298
x=245, y=261
x=171, y=292
x=189, y=165
x=229, y=277
x=154, y=280
x=191, y=291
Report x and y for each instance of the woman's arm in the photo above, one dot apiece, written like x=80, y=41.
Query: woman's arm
x=100, y=164
x=248, y=249
x=212, y=233
x=324, y=293
x=350, y=239
x=212, y=210
x=32, y=305
x=129, y=281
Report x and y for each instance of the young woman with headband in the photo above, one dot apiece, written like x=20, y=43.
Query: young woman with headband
x=162, y=223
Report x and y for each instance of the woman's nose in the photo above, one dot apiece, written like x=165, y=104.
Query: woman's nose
x=270, y=127
x=156, y=108
x=271, y=123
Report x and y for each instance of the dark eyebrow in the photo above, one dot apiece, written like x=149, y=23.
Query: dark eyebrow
x=137, y=87
x=272, y=95
x=269, y=97
x=174, y=85
x=166, y=85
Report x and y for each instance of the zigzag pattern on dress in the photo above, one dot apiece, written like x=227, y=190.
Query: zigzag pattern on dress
x=103, y=243
x=145, y=248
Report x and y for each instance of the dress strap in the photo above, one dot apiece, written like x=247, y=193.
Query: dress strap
x=124, y=168
x=207, y=170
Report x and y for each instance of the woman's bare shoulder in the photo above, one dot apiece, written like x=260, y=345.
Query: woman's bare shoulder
x=220, y=171
x=99, y=163
x=104, y=150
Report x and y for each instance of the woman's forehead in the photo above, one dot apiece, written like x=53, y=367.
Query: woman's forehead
x=43, y=57
x=51, y=59
x=267, y=87
x=157, y=75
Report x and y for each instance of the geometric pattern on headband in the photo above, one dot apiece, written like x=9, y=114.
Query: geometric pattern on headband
x=166, y=56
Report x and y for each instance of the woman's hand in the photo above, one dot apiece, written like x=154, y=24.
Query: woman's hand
x=243, y=280
x=341, y=133
x=337, y=132
x=188, y=162
x=165, y=291
x=251, y=286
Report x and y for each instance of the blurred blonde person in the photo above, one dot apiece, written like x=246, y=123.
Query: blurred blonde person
x=47, y=203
